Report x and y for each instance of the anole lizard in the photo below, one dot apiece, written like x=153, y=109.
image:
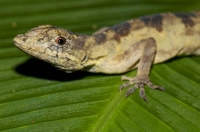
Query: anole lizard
x=137, y=43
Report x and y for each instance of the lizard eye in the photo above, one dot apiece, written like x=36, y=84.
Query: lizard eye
x=60, y=40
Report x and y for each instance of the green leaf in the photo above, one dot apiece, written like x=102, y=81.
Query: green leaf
x=36, y=97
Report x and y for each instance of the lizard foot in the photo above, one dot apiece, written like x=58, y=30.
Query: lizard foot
x=139, y=83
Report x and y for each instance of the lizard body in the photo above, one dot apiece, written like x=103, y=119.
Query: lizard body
x=135, y=43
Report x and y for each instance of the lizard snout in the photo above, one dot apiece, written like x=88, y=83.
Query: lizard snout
x=19, y=39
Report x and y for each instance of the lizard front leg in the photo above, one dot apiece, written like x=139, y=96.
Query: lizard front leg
x=142, y=76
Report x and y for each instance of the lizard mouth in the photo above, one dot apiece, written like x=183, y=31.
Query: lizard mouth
x=20, y=42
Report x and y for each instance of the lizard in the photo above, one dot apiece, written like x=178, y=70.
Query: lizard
x=137, y=43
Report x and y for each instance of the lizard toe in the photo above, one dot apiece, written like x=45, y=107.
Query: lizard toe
x=131, y=90
x=142, y=94
x=139, y=82
x=125, y=85
x=152, y=86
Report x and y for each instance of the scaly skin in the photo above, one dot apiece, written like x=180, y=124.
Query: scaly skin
x=136, y=43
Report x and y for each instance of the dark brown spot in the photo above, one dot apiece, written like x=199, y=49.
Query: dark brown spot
x=121, y=30
x=79, y=42
x=154, y=21
x=186, y=18
x=100, y=38
x=117, y=38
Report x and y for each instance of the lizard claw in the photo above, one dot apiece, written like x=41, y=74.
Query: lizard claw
x=139, y=83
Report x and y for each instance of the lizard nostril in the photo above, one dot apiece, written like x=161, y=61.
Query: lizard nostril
x=20, y=39
x=61, y=40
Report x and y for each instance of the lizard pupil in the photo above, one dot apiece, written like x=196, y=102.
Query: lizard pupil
x=61, y=40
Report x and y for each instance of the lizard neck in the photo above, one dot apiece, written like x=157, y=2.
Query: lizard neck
x=82, y=52
x=97, y=48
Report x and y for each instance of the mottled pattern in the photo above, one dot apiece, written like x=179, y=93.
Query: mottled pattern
x=100, y=38
x=186, y=18
x=79, y=42
x=154, y=21
x=121, y=30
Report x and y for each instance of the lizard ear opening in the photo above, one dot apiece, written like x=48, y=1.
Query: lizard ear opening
x=60, y=41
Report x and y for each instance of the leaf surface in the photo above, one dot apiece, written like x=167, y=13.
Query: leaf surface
x=36, y=97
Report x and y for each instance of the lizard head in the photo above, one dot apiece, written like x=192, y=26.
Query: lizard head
x=57, y=46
